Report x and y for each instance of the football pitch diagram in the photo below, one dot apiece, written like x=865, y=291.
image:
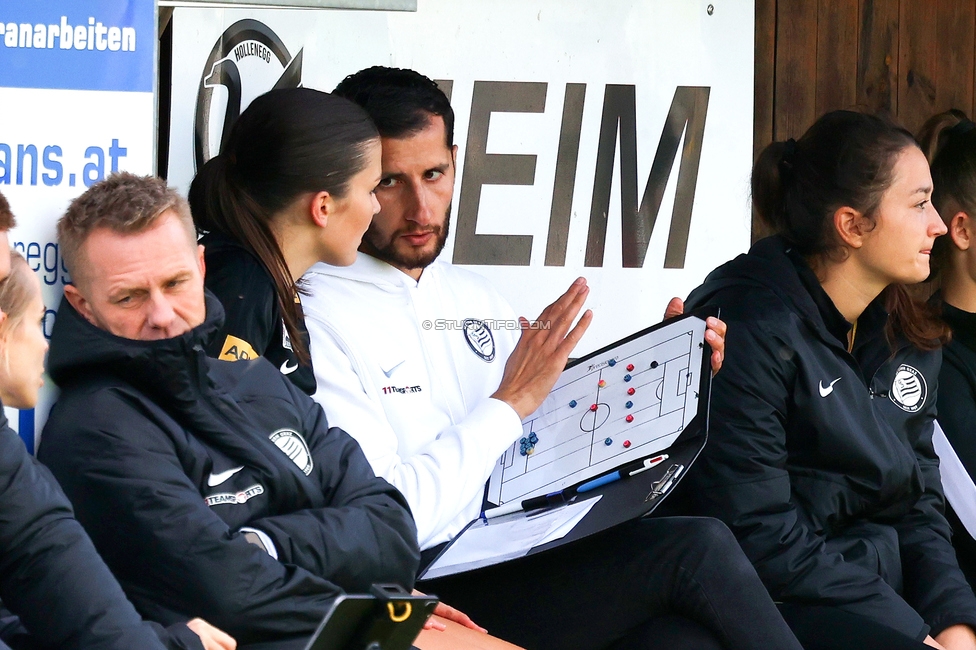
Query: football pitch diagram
x=622, y=405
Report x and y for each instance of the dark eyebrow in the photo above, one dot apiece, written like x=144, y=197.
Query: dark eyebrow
x=400, y=175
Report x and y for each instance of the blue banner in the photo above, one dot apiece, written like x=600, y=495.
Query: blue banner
x=81, y=45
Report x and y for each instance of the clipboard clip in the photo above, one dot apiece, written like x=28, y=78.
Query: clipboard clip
x=661, y=486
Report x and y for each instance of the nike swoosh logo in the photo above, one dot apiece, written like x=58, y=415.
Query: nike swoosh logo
x=827, y=390
x=216, y=479
x=390, y=371
x=286, y=369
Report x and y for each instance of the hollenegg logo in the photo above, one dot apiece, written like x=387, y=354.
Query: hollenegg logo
x=248, y=60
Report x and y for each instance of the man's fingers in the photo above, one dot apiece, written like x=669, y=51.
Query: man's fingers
x=562, y=301
x=716, y=325
x=569, y=343
x=561, y=321
x=675, y=308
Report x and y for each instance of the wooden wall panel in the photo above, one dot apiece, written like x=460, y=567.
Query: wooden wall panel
x=836, y=55
x=877, y=59
x=796, y=68
x=955, y=55
x=909, y=58
x=765, y=74
x=917, y=61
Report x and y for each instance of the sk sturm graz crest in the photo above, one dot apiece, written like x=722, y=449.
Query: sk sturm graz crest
x=247, y=60
x=479, y=338
x=908, y=389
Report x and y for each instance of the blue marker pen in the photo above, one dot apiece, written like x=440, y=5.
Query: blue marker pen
x=599, y=482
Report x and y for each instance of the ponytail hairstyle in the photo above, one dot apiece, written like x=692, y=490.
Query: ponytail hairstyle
x=949, y=142
x=845, y=159
x=286, y=143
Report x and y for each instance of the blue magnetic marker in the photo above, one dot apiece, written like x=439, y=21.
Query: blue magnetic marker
x=599, y=482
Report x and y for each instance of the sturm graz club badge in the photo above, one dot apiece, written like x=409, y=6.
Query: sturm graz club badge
x=479, y=338
x=246, y=61
x=293, y=445
x=908, y=389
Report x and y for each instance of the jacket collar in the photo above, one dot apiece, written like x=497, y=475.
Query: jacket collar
x=175, y=367
x=773, y=264
x=373, y=271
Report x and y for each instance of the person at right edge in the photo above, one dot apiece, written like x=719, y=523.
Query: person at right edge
x=820, y=454
x=949, y=141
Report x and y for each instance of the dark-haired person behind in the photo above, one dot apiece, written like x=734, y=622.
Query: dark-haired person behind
x=820, y=454
x=292, y=186
x=51, y=577
x=949, y=141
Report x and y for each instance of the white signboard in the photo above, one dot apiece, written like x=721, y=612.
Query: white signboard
x=611, y=140
x=76, y=103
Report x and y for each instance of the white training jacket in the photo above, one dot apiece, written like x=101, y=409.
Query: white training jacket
x=396, y=367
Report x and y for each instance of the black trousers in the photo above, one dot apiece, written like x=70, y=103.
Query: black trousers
x=828, y=628
x=672, y=583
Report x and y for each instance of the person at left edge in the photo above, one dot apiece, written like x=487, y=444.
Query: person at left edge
x=59, y=590
x=208, y=486
x=293, y=185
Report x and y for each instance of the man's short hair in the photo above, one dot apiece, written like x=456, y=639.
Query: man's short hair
x=7, y=220
x=124, y=203
x=399, y=101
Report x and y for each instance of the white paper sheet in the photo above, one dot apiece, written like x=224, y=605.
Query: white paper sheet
x=483, y=544
x=956, y=482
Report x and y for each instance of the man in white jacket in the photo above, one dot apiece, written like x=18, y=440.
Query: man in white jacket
x=431, y=371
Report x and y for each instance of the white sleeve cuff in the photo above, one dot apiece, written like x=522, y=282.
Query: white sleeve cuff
x=265, y=540
x=505, y=422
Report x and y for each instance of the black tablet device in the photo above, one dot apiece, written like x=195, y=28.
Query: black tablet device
x=388, y=619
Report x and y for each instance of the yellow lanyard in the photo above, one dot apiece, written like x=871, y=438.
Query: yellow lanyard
x=850, y=346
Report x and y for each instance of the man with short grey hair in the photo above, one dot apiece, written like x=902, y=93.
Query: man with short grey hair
x=208, y=486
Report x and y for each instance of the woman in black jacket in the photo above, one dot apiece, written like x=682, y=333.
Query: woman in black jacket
x=292, y=186
x=51, y=577
x=949, y=141
x=820, y=454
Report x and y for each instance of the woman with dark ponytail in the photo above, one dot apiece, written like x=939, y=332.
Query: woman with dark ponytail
x=292, y=186
x=820, y=454
x=949, y=141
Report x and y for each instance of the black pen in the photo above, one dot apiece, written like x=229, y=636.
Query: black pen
x=535, y=503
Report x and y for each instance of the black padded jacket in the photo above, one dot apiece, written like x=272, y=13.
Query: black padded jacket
x=167, y=455
x=253, y=326
x=820, y=460
x=52, y=578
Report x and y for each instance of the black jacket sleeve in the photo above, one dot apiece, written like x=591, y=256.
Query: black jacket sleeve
x=743, y=480
x=934, y=583
x=250, y=308
x=131, y=492
x=50, y=574
x=365, y=531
